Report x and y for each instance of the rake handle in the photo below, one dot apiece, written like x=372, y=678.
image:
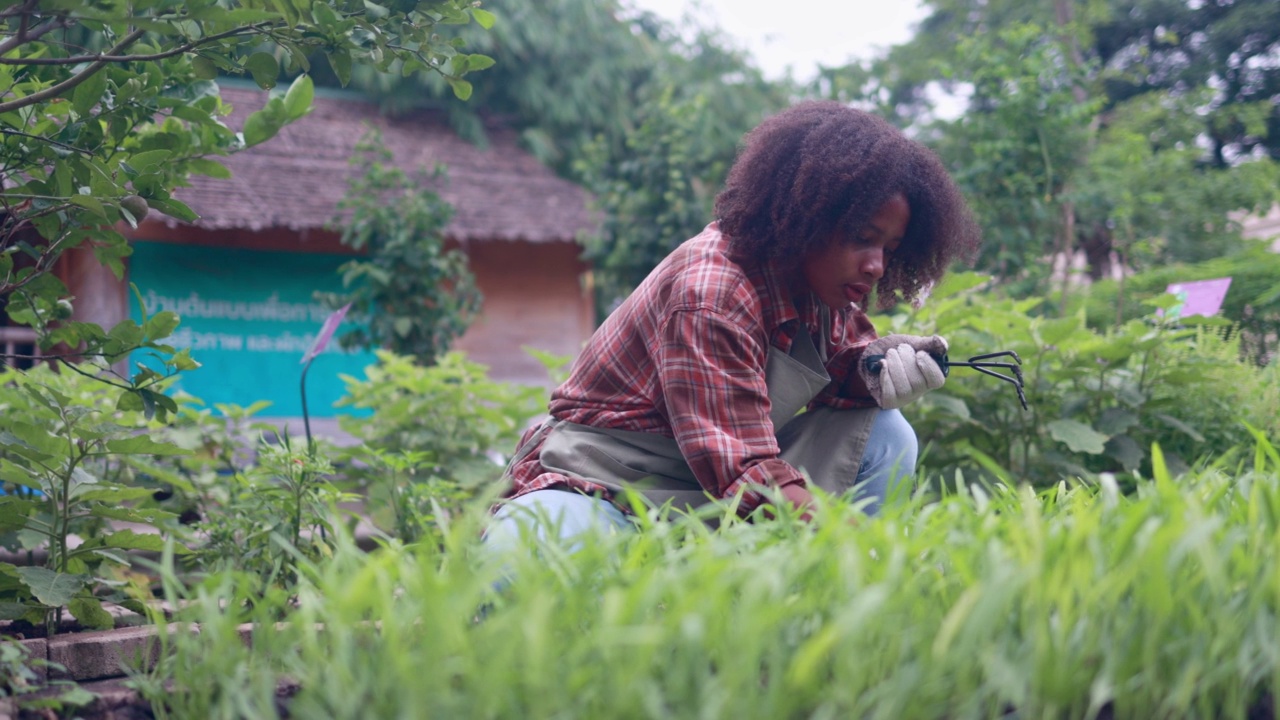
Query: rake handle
x=873, y=362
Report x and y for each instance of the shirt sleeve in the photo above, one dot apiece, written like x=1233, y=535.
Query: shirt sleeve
x=847, y=390
x=712, y=373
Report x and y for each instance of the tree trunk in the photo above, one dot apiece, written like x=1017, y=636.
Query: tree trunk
x=1097, y=245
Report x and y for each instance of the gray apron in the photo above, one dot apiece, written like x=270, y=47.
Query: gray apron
x=825, y=443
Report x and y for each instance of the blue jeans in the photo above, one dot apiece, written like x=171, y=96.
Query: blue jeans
x=889, y=457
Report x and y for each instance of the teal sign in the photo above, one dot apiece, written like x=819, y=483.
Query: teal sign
x=249, y=319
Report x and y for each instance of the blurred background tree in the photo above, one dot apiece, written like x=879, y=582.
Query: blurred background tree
x=107, y=107
x=1128, y=130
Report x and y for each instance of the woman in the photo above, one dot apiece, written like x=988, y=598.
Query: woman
x=689, y=391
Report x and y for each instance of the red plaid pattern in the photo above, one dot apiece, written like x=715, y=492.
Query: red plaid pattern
x=684, y=356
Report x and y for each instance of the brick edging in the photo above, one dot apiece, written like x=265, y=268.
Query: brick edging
x=104, y=654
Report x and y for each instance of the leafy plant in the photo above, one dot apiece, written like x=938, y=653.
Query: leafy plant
x=409, y=293
x=62, y=459
x=1068, y=602
x=1252, y=304
x=1097, y=399
x=403, y=500
x=264, y=520
x=107, y=107
x=451, y=412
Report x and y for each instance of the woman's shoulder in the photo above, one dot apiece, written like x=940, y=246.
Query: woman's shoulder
x=703, y=276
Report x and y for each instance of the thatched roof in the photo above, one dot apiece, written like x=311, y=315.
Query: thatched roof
x=296, y=179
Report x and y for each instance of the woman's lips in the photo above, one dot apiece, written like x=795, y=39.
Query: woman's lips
x=856, y=293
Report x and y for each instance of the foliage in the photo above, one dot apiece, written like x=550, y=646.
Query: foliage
x=1125, y=130
x=1097, y=398
x=560, y=94
x=63, y=456
x=249, y=500
x=403, y=498
x=1015, y=148
x=645, y=114
x=22, y=676
x=655, y=197
x=1146, y=188
x=1071, y=602
x=108, y=107
x=1252, y=303
x=450, y=412
x=1148, y=45
x=265, y=521
x=409, y=293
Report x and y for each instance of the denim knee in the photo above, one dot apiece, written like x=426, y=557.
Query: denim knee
x=890, y=455
x=892, y=443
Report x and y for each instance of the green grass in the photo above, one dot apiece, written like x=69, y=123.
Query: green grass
x=1071, y=602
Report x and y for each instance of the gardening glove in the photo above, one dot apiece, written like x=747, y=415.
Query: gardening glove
x=906, y=371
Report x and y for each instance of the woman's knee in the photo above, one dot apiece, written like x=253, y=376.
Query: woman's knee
x=892, y=442
x=552, y=515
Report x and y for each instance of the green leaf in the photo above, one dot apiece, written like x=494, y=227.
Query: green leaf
x=161, y=325
x=204, y=68
x=340, y=61
x=259, y=128
x=13, y=512
x=150, y=516
x=1177, y=424
x=1078, y=436
x=149, y=160
x=461, y=88
x=479, y=62
x=143, y=445
x=87, y=94
x=484, y=18
x=403, y=326
x=209, y=168
x=129, y=540
x=53, y=589
x=297, y=101
x=174, y=209
x=376, y=11
x=12, y=610
x=1115, y=421
x=88, y=610
x=89, y=203
x=264, y=68
x=92, y=493
x=1126, y=451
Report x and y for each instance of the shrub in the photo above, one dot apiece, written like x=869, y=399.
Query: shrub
x=1252, y=303
x=250, y=499
x=437, y=434
x=1097, y=398
x=64, y=450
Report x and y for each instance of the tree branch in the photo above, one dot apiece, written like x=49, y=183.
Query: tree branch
x=25, y=36
x=71, y=82
x=51, y=141
x=108, y=57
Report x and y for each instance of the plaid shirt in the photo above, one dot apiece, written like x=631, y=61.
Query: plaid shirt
x=684, y=356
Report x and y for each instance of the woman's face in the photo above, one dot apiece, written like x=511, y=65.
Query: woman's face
x=846, y=268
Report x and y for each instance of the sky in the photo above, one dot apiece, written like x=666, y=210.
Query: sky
x=802, y=33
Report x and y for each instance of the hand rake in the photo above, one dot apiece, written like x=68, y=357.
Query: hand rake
x=985, y=364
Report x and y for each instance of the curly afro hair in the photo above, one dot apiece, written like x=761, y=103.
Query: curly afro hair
x=820, y=170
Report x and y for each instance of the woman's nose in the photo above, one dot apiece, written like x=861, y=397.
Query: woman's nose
x=873, y=263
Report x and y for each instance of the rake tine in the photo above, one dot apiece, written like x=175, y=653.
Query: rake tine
x=1002, y=353
x=1007, y=366
x=993, y=373
x=1017, y=382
